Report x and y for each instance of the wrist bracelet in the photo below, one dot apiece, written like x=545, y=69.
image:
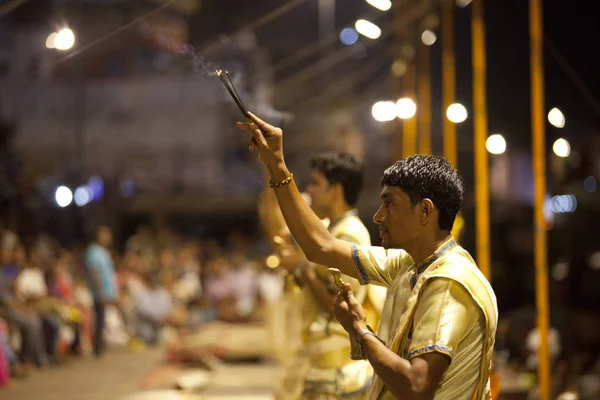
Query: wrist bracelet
x=363, y=334
x=284, y=182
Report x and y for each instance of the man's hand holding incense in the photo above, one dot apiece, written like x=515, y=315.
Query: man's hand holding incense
x=349, y=312
x=268, y=140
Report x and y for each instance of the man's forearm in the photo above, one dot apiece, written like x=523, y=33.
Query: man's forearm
x=324, y=298
x=271, y=217
x=308, y=231
x=395, y=371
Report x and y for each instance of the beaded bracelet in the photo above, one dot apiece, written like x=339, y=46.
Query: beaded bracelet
x=282, y=183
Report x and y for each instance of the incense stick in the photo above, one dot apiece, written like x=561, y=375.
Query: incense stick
x=231, y=89
x=234, y=90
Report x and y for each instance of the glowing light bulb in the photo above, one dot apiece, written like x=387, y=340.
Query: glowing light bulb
x=406, y=108
x=495, y=144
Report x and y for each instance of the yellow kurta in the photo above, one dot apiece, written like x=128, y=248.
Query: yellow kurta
x=327, y=344
x=445, y=305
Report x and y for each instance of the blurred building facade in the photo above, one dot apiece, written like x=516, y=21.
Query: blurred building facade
x=131, y=107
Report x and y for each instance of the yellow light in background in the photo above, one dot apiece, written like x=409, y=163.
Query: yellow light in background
x=556, y=118
x=428, y=37
x=367, y=29
x=561, y=148
x=399, y=68
x=51, y=40
x=457, y=113
x=384, y=111
x=65, y=39
x=406, y=108
x=495, y=144
x=273, y=261
x=382, y=5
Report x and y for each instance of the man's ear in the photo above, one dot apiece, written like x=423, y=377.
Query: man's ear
x=427, y=209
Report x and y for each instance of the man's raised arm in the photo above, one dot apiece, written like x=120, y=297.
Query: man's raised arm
x=309, y=232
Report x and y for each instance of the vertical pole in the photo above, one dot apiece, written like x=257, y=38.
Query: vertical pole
x=424, y=110
x=406, y=134
x=409, y=138
x=539, y=171
x=398, y=79
x=482, y=198
x=448, y=80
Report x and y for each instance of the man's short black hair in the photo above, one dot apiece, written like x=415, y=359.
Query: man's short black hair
x=342, y=168
x=432, y=177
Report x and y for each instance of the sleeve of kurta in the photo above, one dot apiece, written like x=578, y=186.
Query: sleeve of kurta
x=441, y=318
x=377, y=265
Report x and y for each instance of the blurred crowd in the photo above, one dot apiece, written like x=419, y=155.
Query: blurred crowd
x=59, y=303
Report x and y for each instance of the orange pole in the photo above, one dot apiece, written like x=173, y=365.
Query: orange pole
x=448, y=80
x=398, y=80
x=482, y=198
x=538, y=121
x=424, y=105
x=409, y=138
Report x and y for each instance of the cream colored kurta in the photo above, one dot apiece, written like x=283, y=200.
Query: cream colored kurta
x=327, y=343
x=445, y=305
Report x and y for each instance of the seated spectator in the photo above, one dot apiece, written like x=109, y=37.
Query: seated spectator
x=246, y=290
x=26, y=322
x=187, y=284
x=61, y=287
x=4, y=361
x=12, y=260
x=31, y=289
x=154, y=306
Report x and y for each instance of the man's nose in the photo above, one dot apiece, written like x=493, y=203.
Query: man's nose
x=379, y=216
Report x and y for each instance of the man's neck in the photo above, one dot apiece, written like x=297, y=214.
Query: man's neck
x=419, y=251
x=338, y=212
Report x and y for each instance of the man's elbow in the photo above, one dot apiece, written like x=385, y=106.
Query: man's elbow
x=319, y=254
x=419, y=388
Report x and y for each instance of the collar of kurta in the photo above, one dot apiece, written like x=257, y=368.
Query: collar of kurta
x=443, y=249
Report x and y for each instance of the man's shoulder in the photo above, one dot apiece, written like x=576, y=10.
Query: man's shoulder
x=459, y=266
x=352, y=230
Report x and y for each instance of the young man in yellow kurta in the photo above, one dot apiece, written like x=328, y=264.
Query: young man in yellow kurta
x=334, y=187
x=437, y=329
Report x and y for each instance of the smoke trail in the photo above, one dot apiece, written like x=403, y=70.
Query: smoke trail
x=199, y=63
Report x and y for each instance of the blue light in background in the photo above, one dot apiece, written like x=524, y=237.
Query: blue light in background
x=96, y=185
x=349, y=36
x=590, y=184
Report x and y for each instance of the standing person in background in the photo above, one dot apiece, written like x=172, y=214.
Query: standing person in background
x=102, y=281
x=334, y=188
